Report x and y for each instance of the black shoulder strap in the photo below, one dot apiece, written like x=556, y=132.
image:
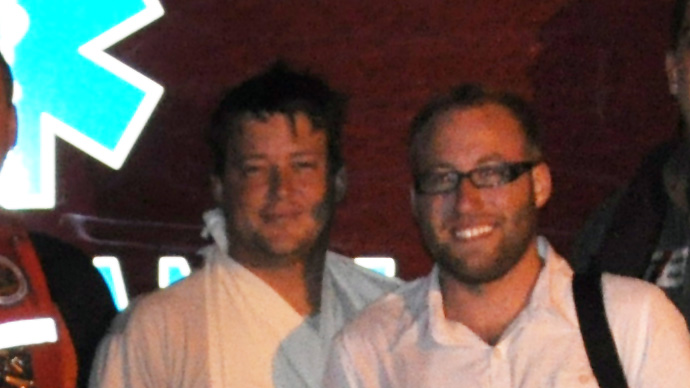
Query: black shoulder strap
x=599, y=344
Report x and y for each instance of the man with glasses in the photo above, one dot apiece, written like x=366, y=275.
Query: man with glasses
x=498, y=307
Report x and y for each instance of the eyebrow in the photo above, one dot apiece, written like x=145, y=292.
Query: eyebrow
x=256, y=155
x=492, y=157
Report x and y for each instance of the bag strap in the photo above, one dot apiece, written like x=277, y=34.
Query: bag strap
x=596, y=333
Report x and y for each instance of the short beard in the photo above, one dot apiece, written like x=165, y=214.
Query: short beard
x=307, y=251
x=509, y=252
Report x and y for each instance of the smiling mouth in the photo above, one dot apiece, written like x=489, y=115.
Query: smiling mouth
x=472, y=233
x=280, y=216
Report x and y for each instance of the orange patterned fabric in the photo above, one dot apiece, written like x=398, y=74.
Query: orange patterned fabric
x=54, y=364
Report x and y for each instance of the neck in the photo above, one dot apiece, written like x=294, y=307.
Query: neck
x=488, y=309
x=296, y=278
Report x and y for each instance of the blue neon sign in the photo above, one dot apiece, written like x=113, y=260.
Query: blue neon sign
x=68, y=87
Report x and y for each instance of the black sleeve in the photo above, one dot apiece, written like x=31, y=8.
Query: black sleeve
x=589, y=239
x=80, y=293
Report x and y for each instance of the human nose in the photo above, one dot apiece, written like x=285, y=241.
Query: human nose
x=281, y=182
x=467, y=195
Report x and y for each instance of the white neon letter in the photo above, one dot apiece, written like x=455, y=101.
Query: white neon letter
x=172, y=269
x=109, y=267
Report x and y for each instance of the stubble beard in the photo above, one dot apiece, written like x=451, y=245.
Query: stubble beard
x=507, y=254
x=265, y=254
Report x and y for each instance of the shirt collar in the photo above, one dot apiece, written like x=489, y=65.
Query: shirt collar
x=551, y=296
x=215, y=229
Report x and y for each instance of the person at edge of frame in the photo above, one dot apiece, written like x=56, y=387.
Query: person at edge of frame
x=643, y=229
x=54, y=305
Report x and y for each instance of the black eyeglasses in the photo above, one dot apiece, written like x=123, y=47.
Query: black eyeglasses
x=440, y=182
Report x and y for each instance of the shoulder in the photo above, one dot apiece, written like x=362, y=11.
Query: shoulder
x=344, y=270
x=169, y=309
x=628, y=292
x=651, y=335
x=389, y=318
x=636, y=307
x=161, y=337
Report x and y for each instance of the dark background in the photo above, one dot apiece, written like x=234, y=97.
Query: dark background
x=594, y=70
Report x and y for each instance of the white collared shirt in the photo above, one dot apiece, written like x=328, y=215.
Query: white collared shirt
x=404, y=339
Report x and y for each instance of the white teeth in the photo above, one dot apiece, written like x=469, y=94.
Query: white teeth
x=473, y=232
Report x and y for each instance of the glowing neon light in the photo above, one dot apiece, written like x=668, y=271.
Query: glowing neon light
x=384, y=265
x=69, y=87
x=27, y=332
x=175, y=268
x=109, y=267
x=172, y=269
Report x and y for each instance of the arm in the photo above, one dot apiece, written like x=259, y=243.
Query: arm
x=80, y=293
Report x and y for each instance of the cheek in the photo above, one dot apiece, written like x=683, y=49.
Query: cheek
x=311, y=190
x=520, y=210
x=242, y=198
x=432, y=212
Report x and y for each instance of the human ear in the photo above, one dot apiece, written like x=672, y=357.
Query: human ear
x=340, y=184
x=217, y=189
x=541, y=178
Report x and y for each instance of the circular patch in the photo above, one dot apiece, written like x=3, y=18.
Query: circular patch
x=13, y=285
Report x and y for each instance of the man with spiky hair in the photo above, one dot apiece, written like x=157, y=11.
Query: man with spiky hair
x=263, y=309
x=643, y=230
x=501, y=308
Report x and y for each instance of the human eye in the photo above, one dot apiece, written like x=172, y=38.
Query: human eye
x=488, y=176
x=305, y=164
x=437, y=181
x=250, y=169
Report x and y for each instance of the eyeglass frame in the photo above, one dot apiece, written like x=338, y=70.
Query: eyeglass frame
x=513, y=171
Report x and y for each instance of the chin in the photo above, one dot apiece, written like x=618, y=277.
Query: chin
x=287, y=248
x=474, y=267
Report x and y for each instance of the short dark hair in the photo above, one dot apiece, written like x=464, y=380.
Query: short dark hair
x=470, y=96
x=677, y=21
x=6, y=80
x=278, y=90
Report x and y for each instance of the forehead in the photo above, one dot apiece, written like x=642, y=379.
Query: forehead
x=470, y=136
x=278, y=133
